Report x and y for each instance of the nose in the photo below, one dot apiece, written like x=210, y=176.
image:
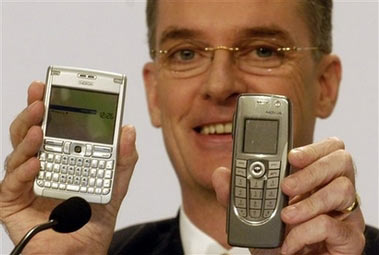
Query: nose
x=222, y=85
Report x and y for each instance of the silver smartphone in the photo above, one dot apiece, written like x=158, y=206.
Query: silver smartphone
x=81, y=129
x=262, y=138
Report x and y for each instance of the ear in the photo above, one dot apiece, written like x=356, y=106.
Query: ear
x=329, y=78
x=149, y=77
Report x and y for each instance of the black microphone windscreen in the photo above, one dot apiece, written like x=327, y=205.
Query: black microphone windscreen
x=71, y=215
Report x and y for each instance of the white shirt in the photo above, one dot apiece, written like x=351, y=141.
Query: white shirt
x=195, y=241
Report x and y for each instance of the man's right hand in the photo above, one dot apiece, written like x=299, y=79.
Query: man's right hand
x=21, y=209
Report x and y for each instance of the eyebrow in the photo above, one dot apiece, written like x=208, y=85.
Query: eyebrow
x=271, y=31
x=176, y=33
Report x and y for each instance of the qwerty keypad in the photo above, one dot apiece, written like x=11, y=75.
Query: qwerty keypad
x=75, y=173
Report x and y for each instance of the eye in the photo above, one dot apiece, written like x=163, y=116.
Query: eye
x=264, y=52
x=183, y=55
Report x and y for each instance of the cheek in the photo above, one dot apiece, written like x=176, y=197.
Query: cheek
x=300, y=87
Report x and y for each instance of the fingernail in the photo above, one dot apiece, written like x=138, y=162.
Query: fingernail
x=290, y=211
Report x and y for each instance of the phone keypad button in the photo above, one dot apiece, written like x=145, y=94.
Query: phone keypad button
x=93, y=172
x=100, y=173
x=241, y=163
x=274, y=164
x=240, y=181
x=107, y=183
x=255, y=213
x=55, y=177
x=240, y=202
x=50, y=157
x=241, y=172
x=49, y=167
x=58, y=159
x=54, y=142
x=256, y=183
x=240, y=192
x=73, y=187
x=271, y=193
x=108, y=174
x=41, y=175
x=255, y=204
x=102, y=149
x=257, y=169
x=101, y=164
x=272, y=183
x=64, y=159
x=66, y=147
x=42, y=156
x=109, y=164
x=256, y=193
x=242, y=212
x=88, y=150
x=99, y=154
x=267, y=213
x=53, y=148
x=270, y=204
x=273, y=173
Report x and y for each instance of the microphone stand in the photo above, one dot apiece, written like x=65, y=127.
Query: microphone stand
x=20, y=246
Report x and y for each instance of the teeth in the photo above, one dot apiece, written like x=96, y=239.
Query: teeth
x=216, y=129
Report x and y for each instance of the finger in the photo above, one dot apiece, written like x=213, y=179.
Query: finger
x=29, y=147
x=319, y=173
x=127, y=159
x=336, y=196
x=29, y=117
x=221, y=184
x=35, y=91
x=20, y=180
x=339, y=238
x=303, y=156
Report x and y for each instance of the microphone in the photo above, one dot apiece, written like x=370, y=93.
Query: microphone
x=67, y=217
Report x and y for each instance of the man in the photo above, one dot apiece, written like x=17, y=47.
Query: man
x=185, y=98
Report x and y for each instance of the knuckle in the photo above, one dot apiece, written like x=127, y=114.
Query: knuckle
x=345, y=186
x=313, y=204
x=325, y=222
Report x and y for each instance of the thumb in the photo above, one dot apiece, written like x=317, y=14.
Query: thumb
x=128, y=157
x=221, y=185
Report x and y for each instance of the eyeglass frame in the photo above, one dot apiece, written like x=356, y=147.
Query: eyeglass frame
x=234, y=49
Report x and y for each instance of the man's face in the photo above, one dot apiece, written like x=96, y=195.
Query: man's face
x=188, y=108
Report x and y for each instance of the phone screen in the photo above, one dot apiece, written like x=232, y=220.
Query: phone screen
x=82, y=115
x=261, y=136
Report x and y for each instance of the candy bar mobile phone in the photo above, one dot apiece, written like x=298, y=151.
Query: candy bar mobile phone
x=262, y=138
x=81, y=129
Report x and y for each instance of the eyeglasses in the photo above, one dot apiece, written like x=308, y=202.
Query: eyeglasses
x=188, y=59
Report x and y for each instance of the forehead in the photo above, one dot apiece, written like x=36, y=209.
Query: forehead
x=223, y=21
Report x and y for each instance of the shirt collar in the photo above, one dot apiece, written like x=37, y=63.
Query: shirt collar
x=195, y=241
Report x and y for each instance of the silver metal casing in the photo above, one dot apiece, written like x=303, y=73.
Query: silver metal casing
x=81, y=155
x=256, y=199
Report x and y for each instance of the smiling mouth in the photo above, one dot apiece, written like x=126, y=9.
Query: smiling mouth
x=215, y=129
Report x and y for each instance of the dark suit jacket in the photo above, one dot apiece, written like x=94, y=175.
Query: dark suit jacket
x=163, y=237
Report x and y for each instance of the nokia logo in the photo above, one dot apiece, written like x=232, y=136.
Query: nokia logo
x=87, y=83
x=260, y=101
x=274, y=112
